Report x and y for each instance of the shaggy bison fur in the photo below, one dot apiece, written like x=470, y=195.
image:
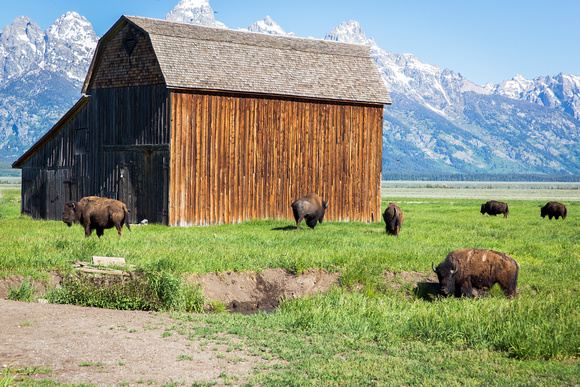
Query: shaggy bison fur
x=96, y=213
x=393, y=217
x=464, y=271
x=554, y=209
x=310, y=208
x=494, y=207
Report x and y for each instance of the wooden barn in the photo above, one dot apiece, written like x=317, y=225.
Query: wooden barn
x=190, y=125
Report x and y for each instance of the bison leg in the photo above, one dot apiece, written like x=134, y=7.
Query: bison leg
x=119, y=228
x=298, y=221
x=88, y=230
x=510, y=290
x=100, y=232
x=466, y=289
x=297, y=216
x=311, y=221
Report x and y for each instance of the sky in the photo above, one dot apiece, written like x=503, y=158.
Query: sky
x=485, y=41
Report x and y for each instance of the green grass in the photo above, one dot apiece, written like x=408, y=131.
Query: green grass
x=378, y=336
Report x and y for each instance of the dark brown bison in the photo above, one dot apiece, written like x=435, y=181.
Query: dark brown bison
x=96, y=213
x=554, y=209
x=494, y=207
x=310, y=208
x=469, y=269
x=393, y=217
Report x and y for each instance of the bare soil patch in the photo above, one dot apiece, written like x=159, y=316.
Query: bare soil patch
x=113, y=347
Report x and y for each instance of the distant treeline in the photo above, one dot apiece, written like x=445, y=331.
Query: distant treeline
x=6, y=170
x=535, y=177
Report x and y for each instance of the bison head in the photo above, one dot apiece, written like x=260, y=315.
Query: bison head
x=445, y=274
x=544, y=211
x=324, y=205
x=69, y=216
x=483, y=209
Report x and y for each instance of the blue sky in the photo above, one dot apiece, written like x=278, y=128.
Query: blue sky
x=485, y=41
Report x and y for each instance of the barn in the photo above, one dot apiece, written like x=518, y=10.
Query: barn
x=191, y=125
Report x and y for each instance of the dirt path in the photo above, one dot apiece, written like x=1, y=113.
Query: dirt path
x=111, y=347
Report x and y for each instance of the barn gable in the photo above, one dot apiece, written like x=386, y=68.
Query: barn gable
x=124, y=57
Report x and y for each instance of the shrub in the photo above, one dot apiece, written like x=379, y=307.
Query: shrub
x=22, y=293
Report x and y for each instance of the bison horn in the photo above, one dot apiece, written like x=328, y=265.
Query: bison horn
x=433, y=267
x=453, y=271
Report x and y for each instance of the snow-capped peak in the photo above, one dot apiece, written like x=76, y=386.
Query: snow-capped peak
x=513, y=88
x=73, y=29
x=194, y=12
x=350, y=32
x=268, y=26
x=71, y=42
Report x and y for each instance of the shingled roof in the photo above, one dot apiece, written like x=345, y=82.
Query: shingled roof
x=198, y=57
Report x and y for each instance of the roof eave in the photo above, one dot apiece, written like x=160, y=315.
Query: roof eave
x=386, y=101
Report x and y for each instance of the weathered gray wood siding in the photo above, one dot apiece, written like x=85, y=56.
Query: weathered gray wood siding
x=116, y=146
x=49, y=176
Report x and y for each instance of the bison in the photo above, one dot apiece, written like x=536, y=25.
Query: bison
x=554, y=209
x=393, y=217
x=469, y=269
x=310, y=208
x=96, y=213
x=494, y=207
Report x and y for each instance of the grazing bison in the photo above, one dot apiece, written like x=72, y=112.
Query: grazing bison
x=96, y=213
x=469, y=269
x=393, y=217
x=494, y=207
x=554, y=209
x=310, y=208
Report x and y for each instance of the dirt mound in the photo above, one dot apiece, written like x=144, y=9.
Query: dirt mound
x=242, y=292
x=251, y=291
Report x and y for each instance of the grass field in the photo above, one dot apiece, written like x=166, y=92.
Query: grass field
x=378, y=335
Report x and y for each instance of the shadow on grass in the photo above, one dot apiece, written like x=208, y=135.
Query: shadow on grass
x=427, y=291
x=285, y=228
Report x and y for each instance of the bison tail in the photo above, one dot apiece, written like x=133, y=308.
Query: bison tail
x=127, y=220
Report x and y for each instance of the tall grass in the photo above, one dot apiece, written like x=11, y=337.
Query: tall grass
x=525, y=327
x=543, y=322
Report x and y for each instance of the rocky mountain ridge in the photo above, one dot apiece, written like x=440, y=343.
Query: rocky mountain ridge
x=41, y=73
x=439, y=120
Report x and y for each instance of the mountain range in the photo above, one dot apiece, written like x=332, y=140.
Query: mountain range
x=439, y=121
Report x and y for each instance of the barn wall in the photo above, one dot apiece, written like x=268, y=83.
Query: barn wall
x=131, y=153
x=236, y=158
x=49, y=175
x=116, y=146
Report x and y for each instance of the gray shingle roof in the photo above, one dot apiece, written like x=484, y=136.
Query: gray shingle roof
x=197, y=57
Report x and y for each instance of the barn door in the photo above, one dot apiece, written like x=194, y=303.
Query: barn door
x=58, y=192
x=143, y=185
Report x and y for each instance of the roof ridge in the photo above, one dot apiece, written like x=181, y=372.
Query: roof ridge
x=188, y=31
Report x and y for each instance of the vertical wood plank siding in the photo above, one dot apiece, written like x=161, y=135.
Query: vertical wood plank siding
x=124, y=136
x=235, y=158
